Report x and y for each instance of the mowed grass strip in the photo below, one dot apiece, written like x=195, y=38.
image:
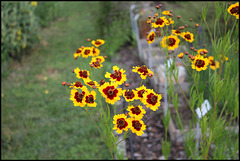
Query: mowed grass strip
x=38, y=119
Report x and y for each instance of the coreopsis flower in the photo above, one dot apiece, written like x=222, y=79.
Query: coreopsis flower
x=136, y=111
x=97, y=61
x=176, y=32
x=213, y=64
x=149, y=21
x=159, y=22
x=200, y=63
x=151, y=99
x=129, y=95
x=143, y=71
x=98, y=42
x=77, y=53
x=171, y=42
x=187, y=36
x=78, y=97
x=140, y=92
x=77, y=85
x=169, y=21
x=110, y=92
x=151, y=37
x=181, y=55
x=90, y=98
x=82, y=74
x=137, y=126
x=91, y=83
x=86, y=52
x=95, y=51
x=233, y=9
x=121, y=122
x=117, y=76
x=165, y=12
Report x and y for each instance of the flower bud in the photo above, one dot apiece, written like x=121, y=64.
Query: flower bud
x=88, y=39
x=195, y=50
x=149, y=17
x=178, y=17
x=197, y=25
x=189, y=55
x=68, y=84
x=105, y=57
x=102, y=82
x=127, y=84
x=186, y=25
x=91, y=65
x=190, y=19
x=157, y=7
x=160, y=5
x=150, y=75
x=186, y=52
x=203, y=45
x=192, y=57
x=63, y=83
x=73, y=71
x=82, y=47
x=192, y=48
x=94, y=87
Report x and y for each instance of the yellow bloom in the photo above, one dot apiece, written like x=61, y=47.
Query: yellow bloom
x=136, y=111
x=110, y=92
x=86, y=52
x=95, y=51
x=90, y=99
x=176, y=32
x=137, y=126
x=165, y=12
x=98, y=42
x=46, y=91
x=159, y=22
x=169, y=21
x=78, y=97
x=181, y=55
x=213, y=64
x=97, y=61
x=200, y=63
x=233, y=9
x=82, y=74
x=130, y=95
x=91, y=83
x=187, y=36
x=77, y=85
x=151, y=99
x=77, y=53
x=171, y=42
x=34, y=3
x=140, y=92
x=143, y=71
x=121, y=122
x=151, y=37
x=118, y=76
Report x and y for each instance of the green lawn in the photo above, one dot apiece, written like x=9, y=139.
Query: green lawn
x=36, y=125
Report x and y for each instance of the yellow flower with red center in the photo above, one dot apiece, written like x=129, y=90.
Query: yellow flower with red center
x=159, y=22
x=121, y=122
x=151, y=99
x=169, y=21
x=110, y=92
x=149, y=21
x=137, y=126
x=176, y=32
x=78, y=97
x=97, y=61
x=82, y=74
x=187, y=36
x=165, y=12
x=91, y=83
x=200, y=63
x=86, y=52
x=181, y=55
x=77, y=85
x=151, y=37
x=98, y=42
x=140, y=92
x=233, y=9
x=90, y=98
x=136, y=111
x=143, y=71
x=213, y=64
x=129, y=95
x=171, y=42
x=95, y=51
x=78, y=53
x=118, y=76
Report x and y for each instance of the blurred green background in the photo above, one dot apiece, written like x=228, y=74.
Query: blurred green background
x=38, y=40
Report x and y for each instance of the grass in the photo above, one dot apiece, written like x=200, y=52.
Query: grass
x=36, y=125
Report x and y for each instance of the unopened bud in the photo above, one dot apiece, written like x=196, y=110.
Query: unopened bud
x=205, y=51
x=197, y=25
x=186, y=52
x=178, y=17
x=149, y=17
x=88, y=39
x=160, y=5
x=82, y=47
x=150, y=75
x=195, y=50
x=73, y=71
x=105, y=57
x=157, y=7
x=127, y=84
x=186, y=25
x=192, y=48
x=201, y=53
x=126, y=114
x=94, y=87
x=68, y=84
x=190, y=19
x=192, y=57
x=189, y=55
x=170, y=14
x=63, y=83
x=91, y=65
x=203, y=45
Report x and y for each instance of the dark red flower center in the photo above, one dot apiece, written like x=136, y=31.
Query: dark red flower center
x=121, y=123
x=171, y=42
x=90, y=99
x=140, y=93
x=79, y=96
x=129, y=94
x=199, y=63
x=152, y=99
x=212, y=63
x=136, y=110
x=187, y=36
x=78, y=84
x=159, y=21
x=137, y=125
x=91, y=83
x=110, y=92
x=143, y=69
x=78, y=51
x=116, y=75
x=98, y=42
x=83, y=74
x=235, y=10
x=151, y=37
x=96, y=64
x=87, y=52
x=178, y=32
